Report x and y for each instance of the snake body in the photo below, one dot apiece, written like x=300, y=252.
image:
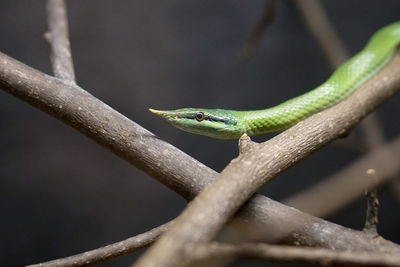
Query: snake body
x=231, y=124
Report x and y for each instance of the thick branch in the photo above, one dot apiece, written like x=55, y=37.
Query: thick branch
x=57, y=36
x=169, y=165
x=289, y=254
x=207, y=213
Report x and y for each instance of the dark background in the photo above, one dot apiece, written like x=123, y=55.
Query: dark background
x=61, y=194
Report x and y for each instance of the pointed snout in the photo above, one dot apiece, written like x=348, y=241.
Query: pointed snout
x=163, y=113
x=157, y=112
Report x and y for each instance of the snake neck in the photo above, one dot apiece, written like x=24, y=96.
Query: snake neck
x=277, y=118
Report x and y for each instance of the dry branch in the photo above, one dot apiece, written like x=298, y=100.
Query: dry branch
x=110, y=251
x=17, y=81
x=207, y=213
x=170, y=166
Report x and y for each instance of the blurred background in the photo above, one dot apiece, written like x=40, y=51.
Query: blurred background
x=61, y=193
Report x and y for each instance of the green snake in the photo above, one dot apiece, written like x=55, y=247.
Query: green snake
x=231, y=124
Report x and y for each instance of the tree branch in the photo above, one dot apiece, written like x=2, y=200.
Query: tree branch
x=289, y=254
x=108, y=252
x=181, y=173
x=207, y=213
x=57, y=36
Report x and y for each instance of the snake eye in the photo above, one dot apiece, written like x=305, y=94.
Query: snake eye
x=200, y=116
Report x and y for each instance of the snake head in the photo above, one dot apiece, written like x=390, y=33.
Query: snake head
x=216, y=123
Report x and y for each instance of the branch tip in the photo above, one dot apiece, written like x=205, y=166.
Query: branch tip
x=371, y=220
x=245, y=144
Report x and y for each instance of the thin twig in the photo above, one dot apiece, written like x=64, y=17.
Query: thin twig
x=371, y=220
x=207, y=213
x=57, y=36
x=266, y=19
x=181, y=173
x=110, y=251
x=289, y=254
